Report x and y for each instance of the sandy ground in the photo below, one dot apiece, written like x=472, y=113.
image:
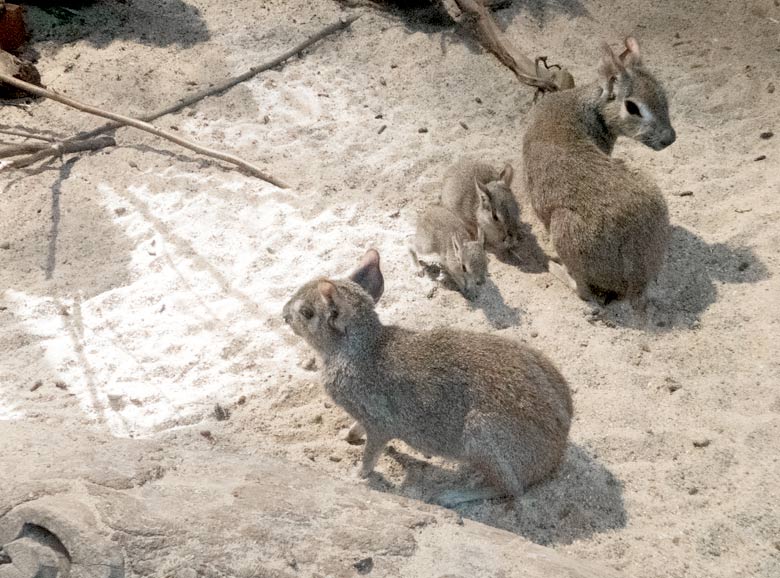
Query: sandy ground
x=142, y=284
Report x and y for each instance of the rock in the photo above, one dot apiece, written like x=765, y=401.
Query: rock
x=364, y=566
x=20, y=69
x=5, y=245
x=701, y=442
x=766, y=135
x=154, y=512
x=220, y=413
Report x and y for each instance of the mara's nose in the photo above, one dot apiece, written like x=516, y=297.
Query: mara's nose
x=669, y=137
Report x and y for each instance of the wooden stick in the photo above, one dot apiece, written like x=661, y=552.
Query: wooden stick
x=230, y=83
x=26, y=135
x=144, y=126
x=62, y=148
x=22, y=149
x=222, y=87
x=475, y=13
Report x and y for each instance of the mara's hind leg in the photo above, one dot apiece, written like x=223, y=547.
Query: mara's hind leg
x=567, y=232
x=488, y=447
x=562, y=273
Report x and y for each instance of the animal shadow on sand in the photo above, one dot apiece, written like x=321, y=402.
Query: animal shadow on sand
x=582, y=499
x=528, y=256
x=151, y=22
x=688, y=282
x=489, y=300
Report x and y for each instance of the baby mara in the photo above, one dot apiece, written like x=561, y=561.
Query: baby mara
x=477, y=210
x=476, y=398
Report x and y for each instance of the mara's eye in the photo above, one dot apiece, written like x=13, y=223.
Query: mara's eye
x=307, y=313
x=495, y=217
x=464, y=268
x=632, y=108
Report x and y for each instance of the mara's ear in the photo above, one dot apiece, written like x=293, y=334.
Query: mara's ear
x=481, y=237
x=328, y=291
x=630, y=56
x=484, y=194
x=369, y=276
x=455, y=244
x=610, y=69
x=506, y=174
x=339, y=311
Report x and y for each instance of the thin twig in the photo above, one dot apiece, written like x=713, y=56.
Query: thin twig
x=222, y=87
x=26, y=135
x=230, y=83
x=22, y=149
x=62, y=148
x=144, y=126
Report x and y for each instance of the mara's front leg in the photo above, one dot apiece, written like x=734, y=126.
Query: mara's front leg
x=375, y=443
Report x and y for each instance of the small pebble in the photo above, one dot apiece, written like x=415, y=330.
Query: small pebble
x=393, y=65
x=743, y=266
x=478, y=100
x=381, y=129
x=770, y=88
x=534, y=334
x=701, y=443
x=760, y=158
x=206, y=434
x=464, y=125
x=36, y=385
x=672, y=385
x=684, y=194
x=220, y=413
x=394, y=214
x=133, y=164
x=364, y=566
x=5, y=245
x=382, y=81
x=60, y=385
x=379, y=116
x=119, y=211
x=693, y=490
x=241, y=400
x=422, y=130
x=767, y=134
x=309, y=364
x=334, y=458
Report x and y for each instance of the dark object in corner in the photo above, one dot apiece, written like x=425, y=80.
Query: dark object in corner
x=13, y=33
x=20, y=69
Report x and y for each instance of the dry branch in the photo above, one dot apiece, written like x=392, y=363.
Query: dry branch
x=475, y=14
x=62, y=148
x=231, y=82
x=220, y=88
x=144, y=126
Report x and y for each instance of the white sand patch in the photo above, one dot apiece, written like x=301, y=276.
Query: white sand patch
x=201, y=322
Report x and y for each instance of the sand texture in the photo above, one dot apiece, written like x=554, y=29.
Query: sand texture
x=142, y=284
